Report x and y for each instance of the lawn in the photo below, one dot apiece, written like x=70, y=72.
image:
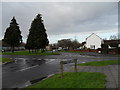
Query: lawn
x=3, y=60
x=100, y=63
x=73, y=80
x=27, y=53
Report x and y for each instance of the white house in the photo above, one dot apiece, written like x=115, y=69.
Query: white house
x=94, y=41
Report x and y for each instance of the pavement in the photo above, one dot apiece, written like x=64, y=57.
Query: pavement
x=26, y=68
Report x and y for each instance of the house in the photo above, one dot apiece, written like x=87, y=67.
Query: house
x=49, y=47
x=93, y=41
x=82, y=46
x=113, y=46
x=112, y=43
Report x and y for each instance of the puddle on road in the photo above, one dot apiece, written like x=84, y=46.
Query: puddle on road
x=28, y=63
x=22, y=64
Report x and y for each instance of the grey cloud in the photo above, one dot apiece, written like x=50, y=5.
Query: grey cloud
x=0, y=19
x=62, y=18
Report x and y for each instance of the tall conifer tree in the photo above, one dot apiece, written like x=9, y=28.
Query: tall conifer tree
x=12, y=35
x=37, y=38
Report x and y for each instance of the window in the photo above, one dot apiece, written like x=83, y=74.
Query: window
x=92, y=46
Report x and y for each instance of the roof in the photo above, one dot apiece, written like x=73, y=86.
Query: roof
x=94, y=34
x=112, y=41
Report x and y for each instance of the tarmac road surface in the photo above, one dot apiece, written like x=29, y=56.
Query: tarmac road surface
x=17, y=74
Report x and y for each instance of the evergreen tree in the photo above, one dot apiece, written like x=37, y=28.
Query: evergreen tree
x=12, y=35
x=113, y=37
x=37, y=38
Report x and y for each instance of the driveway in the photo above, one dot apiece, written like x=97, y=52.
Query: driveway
x=26, y=68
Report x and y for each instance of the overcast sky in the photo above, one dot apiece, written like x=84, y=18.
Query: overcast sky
x=64, y=20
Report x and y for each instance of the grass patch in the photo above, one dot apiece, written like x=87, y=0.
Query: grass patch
x=72, y=51
x=118, y=54
x=27, y=53
x=73, y=80
x=100, y=63
x=3, y=60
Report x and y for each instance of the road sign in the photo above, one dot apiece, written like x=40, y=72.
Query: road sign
x=66, y=62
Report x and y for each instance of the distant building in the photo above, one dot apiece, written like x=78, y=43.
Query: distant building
x=48, y=47
x=113, y=46
x=94, y=41
x=112, y=43
x=15, y=48
x=6, y=47
x=82, y=46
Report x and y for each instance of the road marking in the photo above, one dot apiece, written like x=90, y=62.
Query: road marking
x=51, y=60
x=28, y=68
x=83, y=62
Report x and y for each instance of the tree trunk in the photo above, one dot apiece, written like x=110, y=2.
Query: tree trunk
x=29, y=50
x=37, y=50
x=42, y=50
x=12, y=49
x=32, y=50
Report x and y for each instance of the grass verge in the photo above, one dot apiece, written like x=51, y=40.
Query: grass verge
x=100, y=63
x=118, y=55
x=3, y=60
x=73, y=80
x=72, y=51
x=27, y=53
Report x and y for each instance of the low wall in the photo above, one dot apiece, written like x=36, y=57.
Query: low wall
x=110, y=51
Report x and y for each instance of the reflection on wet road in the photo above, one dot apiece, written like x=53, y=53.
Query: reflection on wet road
x=21, y=64
x=22, y=70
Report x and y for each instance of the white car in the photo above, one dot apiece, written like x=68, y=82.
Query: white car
x=99, y=51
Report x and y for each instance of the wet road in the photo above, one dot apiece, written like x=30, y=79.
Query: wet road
x=17, y=74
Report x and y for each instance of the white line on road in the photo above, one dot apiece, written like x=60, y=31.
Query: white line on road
x=51, y=60
x=28, y=68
